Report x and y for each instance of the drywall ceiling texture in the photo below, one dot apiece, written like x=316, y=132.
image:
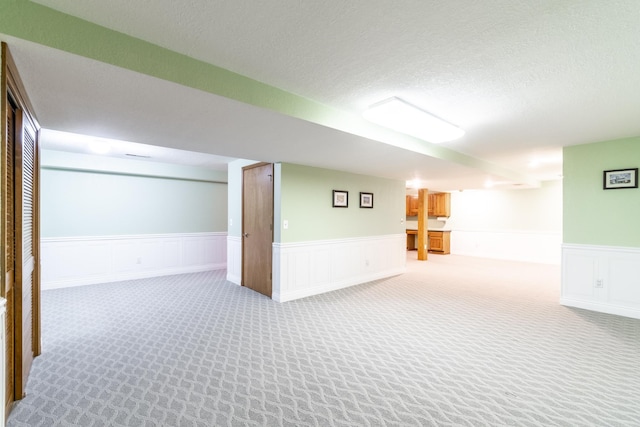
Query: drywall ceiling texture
x=522, y=78
x=107, y=101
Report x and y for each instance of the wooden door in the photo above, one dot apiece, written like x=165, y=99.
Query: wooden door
x=432, y=205
x=435, y=242
x=8, y=242
x=20, y=230
x=25, y=205
x=257, y=227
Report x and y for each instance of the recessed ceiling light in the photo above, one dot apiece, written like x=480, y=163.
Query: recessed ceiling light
x=401, y=116
x=413, y=183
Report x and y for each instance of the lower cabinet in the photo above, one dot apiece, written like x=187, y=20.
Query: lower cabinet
x=439, y=242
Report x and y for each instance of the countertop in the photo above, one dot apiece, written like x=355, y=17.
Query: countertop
x=415, y=230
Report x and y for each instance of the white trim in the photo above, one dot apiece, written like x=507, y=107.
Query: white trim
x=334, y=242
x=303, y=269
x=601, y=307
x=601, y=278
x=506, y=231
x=128, y=237
x=600, y=248
x=234, y=259
x=75, y=261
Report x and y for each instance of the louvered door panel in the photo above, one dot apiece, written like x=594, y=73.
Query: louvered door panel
x=9, y=244
x=28, y=179
x=20, y=234
x=28, y=224
x=25, y=178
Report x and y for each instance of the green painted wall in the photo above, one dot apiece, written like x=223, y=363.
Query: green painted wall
x=593, y=215
x=100, y=202
x=306, y=203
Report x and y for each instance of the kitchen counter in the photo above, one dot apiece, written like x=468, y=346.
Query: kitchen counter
x=415, y=230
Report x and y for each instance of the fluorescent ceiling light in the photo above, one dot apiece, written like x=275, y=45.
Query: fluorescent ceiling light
x=401, y=116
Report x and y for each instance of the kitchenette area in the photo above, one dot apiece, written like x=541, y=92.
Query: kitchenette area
x=438, y=211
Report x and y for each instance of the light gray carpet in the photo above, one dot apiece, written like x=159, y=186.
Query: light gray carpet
x=454, y=342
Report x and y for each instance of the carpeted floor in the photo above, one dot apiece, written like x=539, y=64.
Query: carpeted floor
x=455, y=341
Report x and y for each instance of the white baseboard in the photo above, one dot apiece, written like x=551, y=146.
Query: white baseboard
x=234, y=259
x=311, y=268
x=601, y=278
x=601, y=307
x=75, y=261
x=514, y=245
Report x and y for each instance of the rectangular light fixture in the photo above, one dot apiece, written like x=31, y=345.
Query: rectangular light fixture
x=399, y=115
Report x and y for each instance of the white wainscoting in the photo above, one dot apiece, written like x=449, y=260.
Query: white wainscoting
x=310, y=268
x=601, y=278
x=74, y=261
x=516, y=245
x=234, y=259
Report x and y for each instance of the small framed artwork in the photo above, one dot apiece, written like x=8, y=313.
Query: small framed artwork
x=621, y=178
x=340, y=199
x=366, y=200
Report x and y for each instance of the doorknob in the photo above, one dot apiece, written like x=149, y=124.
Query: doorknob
x=246, y=234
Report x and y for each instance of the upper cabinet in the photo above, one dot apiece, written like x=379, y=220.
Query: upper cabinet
x=439, y=204
x=412, y=205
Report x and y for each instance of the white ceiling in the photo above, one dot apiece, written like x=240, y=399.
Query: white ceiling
x=522, y=78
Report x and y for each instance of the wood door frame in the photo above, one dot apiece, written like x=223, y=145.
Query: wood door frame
x=12, y=88
x=242, y=231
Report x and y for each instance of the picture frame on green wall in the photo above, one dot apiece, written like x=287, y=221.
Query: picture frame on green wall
x=620, y=178
x=340, y=199
x=366, y=200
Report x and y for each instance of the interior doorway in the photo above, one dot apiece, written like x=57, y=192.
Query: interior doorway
x=20, y=263
x=257, y=227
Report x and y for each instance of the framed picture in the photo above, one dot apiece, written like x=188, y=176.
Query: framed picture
x=366, y=200
x=340, y=199
x=622, y=178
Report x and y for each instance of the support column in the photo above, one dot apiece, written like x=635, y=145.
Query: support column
x=423, y=207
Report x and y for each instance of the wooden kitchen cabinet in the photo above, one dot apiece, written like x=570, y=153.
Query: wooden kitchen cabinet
x=432, y=201
x=440, y=242
x=412, y=205
x=439, y=204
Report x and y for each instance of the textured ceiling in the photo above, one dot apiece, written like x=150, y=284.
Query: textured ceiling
x=522, y=78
